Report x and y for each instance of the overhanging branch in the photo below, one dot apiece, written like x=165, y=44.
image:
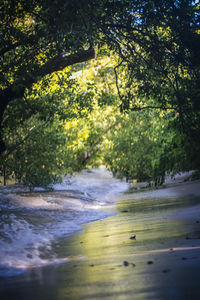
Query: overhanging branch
x=61, y=61
x=17, y=89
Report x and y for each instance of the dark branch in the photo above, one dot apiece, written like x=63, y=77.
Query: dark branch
x=62, y=61
x=17, y=90
x=137, y=108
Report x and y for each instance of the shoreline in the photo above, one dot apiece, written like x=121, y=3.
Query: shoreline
x=178, y=187
x=150, y=249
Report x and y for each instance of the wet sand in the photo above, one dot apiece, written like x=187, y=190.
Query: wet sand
x=150, y=249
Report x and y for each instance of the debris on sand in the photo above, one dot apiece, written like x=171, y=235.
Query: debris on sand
x=126, y=263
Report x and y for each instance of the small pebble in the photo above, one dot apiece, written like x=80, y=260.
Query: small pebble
x=133, y=265
x=126, y=263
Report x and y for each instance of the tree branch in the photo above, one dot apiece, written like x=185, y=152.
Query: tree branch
x=62, y=61
x=116, y=80
x=17, y=89
x=137, y=108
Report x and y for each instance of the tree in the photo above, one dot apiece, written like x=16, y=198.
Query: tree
x=28, y=133
x=158, y=42
x=37, y=39
x=157, y=45
x=133, y=150
x=37, y=157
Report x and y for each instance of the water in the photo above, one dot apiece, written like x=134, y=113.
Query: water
x=31, y=223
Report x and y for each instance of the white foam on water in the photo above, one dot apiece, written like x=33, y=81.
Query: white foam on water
x=96, y=183
x=20, y=246
x=31, y=222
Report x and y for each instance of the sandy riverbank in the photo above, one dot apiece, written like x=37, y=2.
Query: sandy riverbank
x=149, y=250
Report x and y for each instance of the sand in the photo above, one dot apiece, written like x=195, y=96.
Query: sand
x=150, y=249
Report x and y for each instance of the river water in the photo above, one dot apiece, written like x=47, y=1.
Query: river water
x=141, y=246
x=31, y=223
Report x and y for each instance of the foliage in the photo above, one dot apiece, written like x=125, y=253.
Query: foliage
x=134, y=149
x=39, y=38
x=84, y=137
x=138, y=100
x=36, y=156
x=62, y=111
x=158, y=44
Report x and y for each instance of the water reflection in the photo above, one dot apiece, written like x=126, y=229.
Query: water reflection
x=151, y=273
x=162, y=263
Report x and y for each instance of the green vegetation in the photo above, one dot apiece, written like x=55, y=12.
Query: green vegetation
x=99, y=82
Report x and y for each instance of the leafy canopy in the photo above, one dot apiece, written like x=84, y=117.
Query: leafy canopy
x=150, y=49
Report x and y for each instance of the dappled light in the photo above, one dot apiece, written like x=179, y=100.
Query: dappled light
x=99, y=149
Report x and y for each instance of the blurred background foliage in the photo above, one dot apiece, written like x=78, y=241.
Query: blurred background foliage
x=134, y=108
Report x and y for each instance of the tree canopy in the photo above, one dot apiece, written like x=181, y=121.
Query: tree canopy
x=151, y=50
x=37, y=39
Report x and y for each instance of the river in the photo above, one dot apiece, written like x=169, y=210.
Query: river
x=91, y=238
x=30, y=223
